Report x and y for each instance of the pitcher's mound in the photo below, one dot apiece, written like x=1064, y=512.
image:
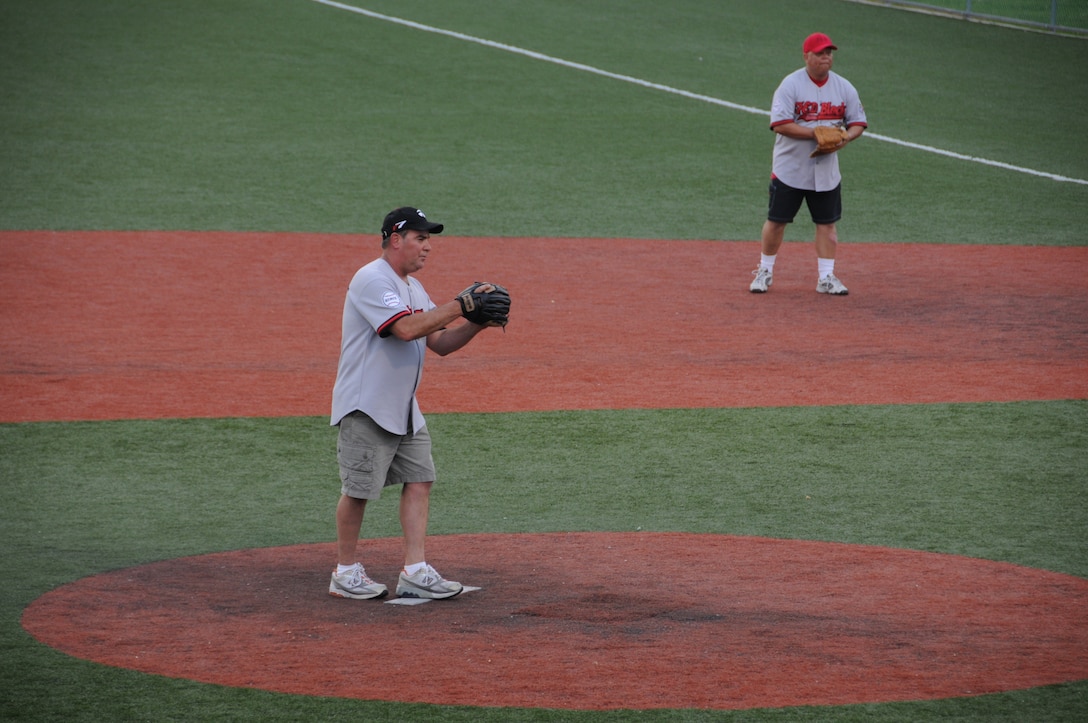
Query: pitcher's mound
x=590, y=621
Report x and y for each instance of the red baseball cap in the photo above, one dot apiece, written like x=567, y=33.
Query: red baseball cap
x=817, y=42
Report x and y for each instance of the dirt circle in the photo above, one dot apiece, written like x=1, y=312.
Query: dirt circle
x=562, y=620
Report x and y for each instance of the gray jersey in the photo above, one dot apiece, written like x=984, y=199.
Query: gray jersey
x=378, y=373
x=800, y=100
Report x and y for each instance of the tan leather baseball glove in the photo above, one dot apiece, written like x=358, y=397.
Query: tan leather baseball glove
x=829, y=139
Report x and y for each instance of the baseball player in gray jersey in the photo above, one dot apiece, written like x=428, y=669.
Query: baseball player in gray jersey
x=389, y=323
x=806, y=162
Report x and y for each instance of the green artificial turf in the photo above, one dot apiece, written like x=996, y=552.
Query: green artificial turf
x=994, y=481
x=292, y=115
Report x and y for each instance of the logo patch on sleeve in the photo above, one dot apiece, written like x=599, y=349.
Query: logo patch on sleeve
x=391, y=300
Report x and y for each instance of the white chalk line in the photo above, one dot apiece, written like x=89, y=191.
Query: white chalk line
x=677, y=91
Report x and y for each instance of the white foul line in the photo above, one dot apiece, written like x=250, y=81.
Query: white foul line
x=677, y=91
x=975, y=159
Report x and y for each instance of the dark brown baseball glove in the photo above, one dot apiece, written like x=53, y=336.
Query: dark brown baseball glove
x=485, y=304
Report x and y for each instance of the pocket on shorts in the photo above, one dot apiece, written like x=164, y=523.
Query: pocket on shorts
x=356, y=457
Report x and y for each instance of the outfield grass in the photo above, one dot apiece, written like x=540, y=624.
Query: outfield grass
x=288, y=115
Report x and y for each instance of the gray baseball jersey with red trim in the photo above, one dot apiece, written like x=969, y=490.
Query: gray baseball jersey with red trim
x=803, y=101
x=379, y=374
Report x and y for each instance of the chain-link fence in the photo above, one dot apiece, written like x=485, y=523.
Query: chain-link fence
x=1066, y=17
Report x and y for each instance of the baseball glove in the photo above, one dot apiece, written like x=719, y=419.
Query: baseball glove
x=486, y=308
x=829, y=139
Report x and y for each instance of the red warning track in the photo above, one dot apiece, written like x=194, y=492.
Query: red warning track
x=103, y=325
x=110, y=325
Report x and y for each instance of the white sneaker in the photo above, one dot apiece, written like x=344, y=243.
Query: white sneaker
x=427, y=583
x=355, y=584
x=762, y=281
x=830, y=285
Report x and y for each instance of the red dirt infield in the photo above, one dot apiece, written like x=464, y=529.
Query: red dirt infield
x=117, y=325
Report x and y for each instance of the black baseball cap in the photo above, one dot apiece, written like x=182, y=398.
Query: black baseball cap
x=407, y=217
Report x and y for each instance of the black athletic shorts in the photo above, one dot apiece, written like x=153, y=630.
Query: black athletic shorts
x=785, y=202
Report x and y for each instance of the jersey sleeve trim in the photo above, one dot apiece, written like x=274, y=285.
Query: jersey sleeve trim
x=387, y=328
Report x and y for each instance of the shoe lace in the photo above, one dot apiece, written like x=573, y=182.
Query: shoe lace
x=430, y=576
x=356, y=576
